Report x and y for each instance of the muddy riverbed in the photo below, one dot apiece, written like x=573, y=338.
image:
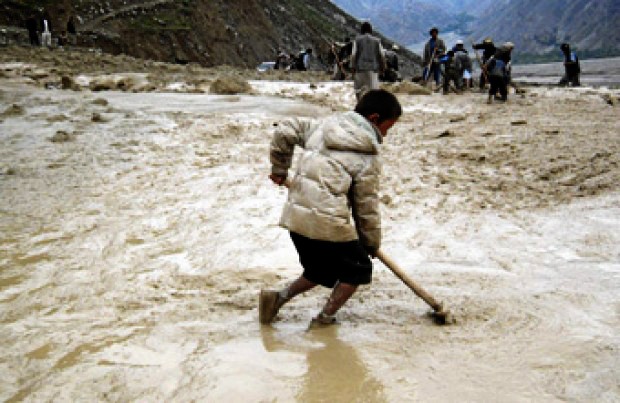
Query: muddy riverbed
x=137, y=226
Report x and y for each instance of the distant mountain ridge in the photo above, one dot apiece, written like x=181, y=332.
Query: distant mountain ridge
x=409, y=21
x=536, y=27
x=590, y=26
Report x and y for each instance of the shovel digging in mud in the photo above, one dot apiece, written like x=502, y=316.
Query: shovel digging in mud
x=440, y=314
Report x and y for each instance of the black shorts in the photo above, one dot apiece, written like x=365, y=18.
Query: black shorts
x=327, y=262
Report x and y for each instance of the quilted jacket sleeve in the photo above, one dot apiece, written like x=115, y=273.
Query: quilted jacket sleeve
x=289, y=134
x=365, y=205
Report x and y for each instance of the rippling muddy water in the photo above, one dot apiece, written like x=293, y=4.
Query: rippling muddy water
x=136, y=230
x=598, y=72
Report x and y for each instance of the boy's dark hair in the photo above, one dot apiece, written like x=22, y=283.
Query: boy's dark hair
x=381, y=102
x=366, y=28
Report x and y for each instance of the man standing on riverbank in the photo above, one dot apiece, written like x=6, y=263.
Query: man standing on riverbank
x=571, y=67
x=433, y=50
x=367, y=61
x=32, y=26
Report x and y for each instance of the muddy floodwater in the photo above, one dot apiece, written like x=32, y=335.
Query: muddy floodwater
x=597, y=72
x=137, y=228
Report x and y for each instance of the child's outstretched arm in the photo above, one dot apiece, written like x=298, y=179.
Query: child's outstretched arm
x=288, y=134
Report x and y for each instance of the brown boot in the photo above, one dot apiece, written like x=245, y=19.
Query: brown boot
x=268, y=305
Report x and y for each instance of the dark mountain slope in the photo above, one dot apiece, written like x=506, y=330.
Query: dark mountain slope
x=210, y=32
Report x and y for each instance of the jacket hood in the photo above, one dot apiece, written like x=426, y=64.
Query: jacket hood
x=352, y=132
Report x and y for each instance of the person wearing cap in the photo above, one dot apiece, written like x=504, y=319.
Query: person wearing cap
x=451, y=71
x=571, y=67
x=488, y=50
x=433, y=50
x=391, y=73
x=504, y=52
x=460, y=53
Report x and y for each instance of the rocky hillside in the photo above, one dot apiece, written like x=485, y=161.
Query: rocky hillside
x=210, y=32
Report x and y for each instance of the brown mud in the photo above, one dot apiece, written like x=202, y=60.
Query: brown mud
x=137, y=225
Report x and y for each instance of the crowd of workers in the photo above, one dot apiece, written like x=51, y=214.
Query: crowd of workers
x=367, y=62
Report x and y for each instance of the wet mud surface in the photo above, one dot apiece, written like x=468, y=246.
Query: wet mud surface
x=137, y=227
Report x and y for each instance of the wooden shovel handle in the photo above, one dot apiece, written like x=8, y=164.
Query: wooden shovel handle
x=419, y=291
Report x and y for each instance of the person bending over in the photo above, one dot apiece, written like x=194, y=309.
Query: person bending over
x=332, y=211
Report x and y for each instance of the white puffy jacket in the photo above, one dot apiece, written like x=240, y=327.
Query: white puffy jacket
x=334, y=193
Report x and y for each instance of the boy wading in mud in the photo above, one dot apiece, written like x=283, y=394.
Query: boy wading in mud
x=332, y=211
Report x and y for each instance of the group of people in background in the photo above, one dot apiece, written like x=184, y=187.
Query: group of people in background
x=368, y=62
x=40, y=32
x=292, y=61
x=454, y=66
x=365, y=60
x=451, y=69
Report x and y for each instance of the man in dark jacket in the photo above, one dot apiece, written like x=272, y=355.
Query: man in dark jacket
x=32, y=26
x=571, y=67
x=391, y=73
x=452, y=69
x=488, y=50
x=498, y=70
x=464, y=80
x=72, y=31
x=433, y=50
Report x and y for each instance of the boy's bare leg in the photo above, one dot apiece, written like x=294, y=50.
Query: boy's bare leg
x=297, y=287
x=340, y=294
x=270, y=301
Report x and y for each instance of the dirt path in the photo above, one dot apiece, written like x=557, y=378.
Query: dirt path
x=146, y=5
